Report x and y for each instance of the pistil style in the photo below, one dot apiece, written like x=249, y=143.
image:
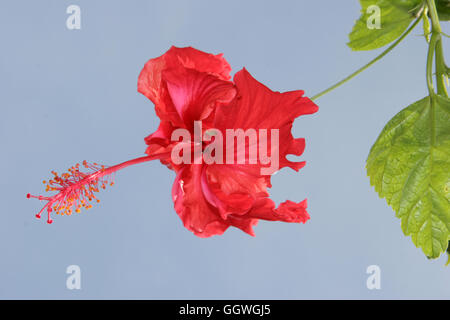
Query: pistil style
x=76, y=189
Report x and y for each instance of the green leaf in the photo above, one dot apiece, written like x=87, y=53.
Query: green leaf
x=414, y=7
x=443, y=9
x=411, y=6
x=394, y=20
x=409, y=166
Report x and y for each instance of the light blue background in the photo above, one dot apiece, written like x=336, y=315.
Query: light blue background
x=68, y=95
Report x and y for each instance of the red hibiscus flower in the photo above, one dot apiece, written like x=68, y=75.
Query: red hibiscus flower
x=188, y=87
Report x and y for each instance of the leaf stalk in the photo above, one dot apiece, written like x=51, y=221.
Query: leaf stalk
x=379, y=57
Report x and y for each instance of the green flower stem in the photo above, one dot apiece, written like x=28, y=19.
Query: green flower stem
x=434, y=16
x=441, y=68
x=431, y=50
x=385, y=52
x=430, y=56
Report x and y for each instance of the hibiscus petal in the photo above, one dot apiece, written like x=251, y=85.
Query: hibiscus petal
x=161, y=137
x=159, y=142
x=287, y=211
x=231, y=184
x=243, y=223
x=149, y=82
x=290, y=211
x=195, y=94
x=197, y=214
x=258, y=107
x=226, y=203
x=234, y=189
x=198, y=60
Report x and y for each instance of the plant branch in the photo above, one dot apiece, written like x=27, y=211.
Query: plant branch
x=385, y=52
x=430, y=55
x=441, y=68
